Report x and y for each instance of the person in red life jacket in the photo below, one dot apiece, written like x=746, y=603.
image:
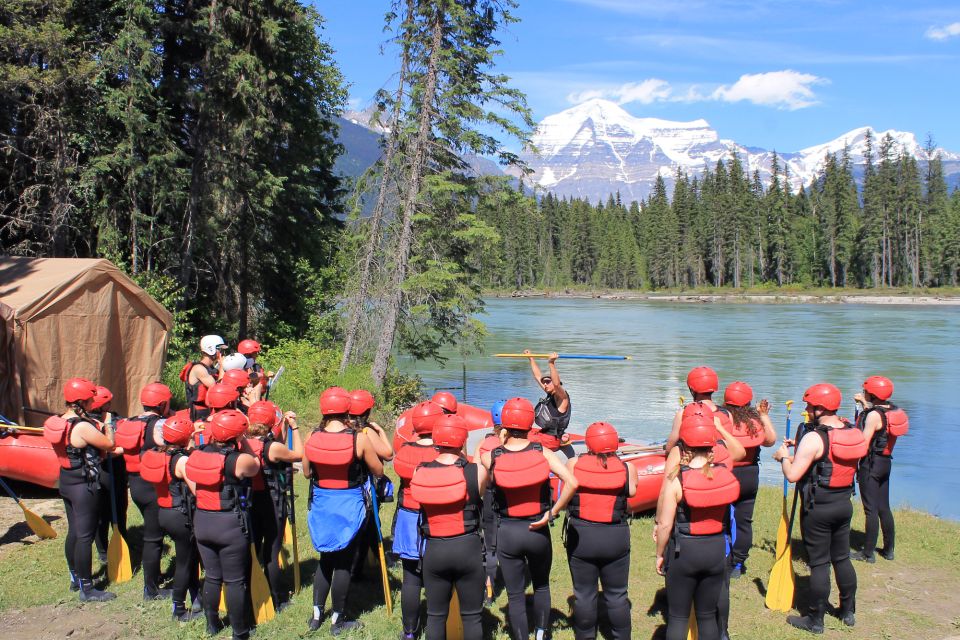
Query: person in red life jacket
x=79, y=441
x=135, y=435
x=337, y=460
x=825, y=467
x=164, y=466
x=247, y=386
x=882, y=422
x=702, y=383
x=250, y=349
x=490, y=442
x=598, y=534
x=690, y=539
x=520, y=473
x=552, y=413
x=448, y=490
x=266, y=440
x=406, y=532
x=220, y=472
x=113, y=472
x=200, y=375
x=752, y=428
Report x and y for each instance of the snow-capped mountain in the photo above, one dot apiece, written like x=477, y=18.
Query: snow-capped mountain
x=596, y=148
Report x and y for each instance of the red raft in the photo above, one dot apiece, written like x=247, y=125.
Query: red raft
x=28, y=457
x=649, y=464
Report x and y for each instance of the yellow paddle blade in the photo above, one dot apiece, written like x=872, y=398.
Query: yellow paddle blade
x=782, y=530
x=287, y=533
x=693, y=631
x=282, y=560
x=296, y=564
x=223, y=599
x=37, y=524
x=260, y=591
x=387, y=596
x=118, y=558
x=454, y=621
x=780, y=587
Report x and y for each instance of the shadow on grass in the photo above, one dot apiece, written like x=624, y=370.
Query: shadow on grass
x=21, y=531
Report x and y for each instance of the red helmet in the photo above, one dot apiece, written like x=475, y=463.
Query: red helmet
x=248, y=347
x=424, y=415
x=823, y=395
x=220, y=395
x=601, y=437
x=450, y=431
x=177, y=430
x=227, y=425
x=361, y=401
x=697, y=408
x=265, y=412
x=702, y=380
x=517, y=413
x=103, y=396
x=78, y=390
x=155, y=394
x=446, y=400
x=236, y=378
x=879, y=386
x=738, y=394
x=698, y=430
x=334, y=401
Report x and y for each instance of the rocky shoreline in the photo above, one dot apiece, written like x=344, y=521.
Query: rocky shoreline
x=744, y=298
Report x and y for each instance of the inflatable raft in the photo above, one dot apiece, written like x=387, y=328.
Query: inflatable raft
x=27, y=456
x=649, y=464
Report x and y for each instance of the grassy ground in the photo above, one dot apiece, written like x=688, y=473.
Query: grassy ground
x=917, y=596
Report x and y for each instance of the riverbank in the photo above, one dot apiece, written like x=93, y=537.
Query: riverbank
x=947, y=296
x=916, y=596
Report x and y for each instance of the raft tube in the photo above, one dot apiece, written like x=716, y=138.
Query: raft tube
x=475, y=418
x=28, y=457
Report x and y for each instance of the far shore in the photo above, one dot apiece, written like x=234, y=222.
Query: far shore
x=868, y=296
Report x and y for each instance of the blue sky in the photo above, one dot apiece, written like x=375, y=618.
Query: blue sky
x=777, y=74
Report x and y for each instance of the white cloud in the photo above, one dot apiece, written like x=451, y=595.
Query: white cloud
x=942, y=33
x=782, y=89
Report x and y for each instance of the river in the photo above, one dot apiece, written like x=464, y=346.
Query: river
x=779, y=349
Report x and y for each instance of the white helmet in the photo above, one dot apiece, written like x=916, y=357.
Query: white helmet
x=234, y=361
x=210, y=344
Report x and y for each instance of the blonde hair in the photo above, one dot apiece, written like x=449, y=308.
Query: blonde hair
x=686, y=457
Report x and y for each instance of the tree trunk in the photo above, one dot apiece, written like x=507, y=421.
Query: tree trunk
x=419, y=153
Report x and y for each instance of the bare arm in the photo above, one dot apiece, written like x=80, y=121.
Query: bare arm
x=796, y=466
x=674, y=436
x=381, y=444
x=769, y=433
x=482, y=478
x=871, y=424
x=534, y=369
x=366, y=452
x=283, y=454
x=247, y=466
x=631, y=480
x=568, y=488
x=85, y=434
x=666, y=514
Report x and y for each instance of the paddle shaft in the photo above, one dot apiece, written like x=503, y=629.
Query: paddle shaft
x=562, y=356
x=387, y=597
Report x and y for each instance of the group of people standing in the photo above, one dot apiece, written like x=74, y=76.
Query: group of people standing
x=216, y=478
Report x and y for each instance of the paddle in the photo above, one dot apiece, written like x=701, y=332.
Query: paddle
x=287, y=533
x=292, y=523
x=387, y=596
x=263, y=610
x=780, y=585
x=118, y=554
x=37, y=524
x=454, y=621
x=273, y=381
x=562, y=356
x=693, y=632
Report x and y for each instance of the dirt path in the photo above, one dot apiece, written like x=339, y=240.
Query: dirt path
x=46, y=503
x=61, y=621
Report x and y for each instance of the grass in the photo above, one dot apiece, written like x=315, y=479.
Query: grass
x=916, y=596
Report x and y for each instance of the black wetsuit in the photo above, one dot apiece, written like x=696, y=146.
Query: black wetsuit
x=80, y=490
x=599, y=552
x=176, y=522
x=145, y=497
x=873, y=476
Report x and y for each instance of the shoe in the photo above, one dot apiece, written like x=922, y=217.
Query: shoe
x=407, y=636
x=848, y=618
x=159, y=594
x=886, y=555
x=737, y=570
x=343, y=625
x=74, y=582
x=102, y=557
x=280, y=607
x=197, y=606
x=214, y=625
x=315, y=621
x=860, y=556
x=807, y=623
x=182, y=614
x=89, y=594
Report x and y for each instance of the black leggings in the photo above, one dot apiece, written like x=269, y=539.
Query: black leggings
x=599, y=552
x=826, y=536
x=749, y=477
x=333, y=575
x=410, y=595
x=490, y=538
x=695, y=576
x=82, y=504
x=874, y=479
x=450, y=563
x=268, y=541
x=116, y=469
x=519, y=549
x=145, y=497
x=225, y=553
x=175, y=524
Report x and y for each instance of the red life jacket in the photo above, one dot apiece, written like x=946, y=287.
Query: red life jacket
x=409, y=457
x=705, y=502
x=602, y=495
x=894, y=423
x=216, y=489
x=135, y=434
x=449, y=498
x=56, y=431
x=159, y=468
x=741, y=432
x=197, y=392
x=257, y=446
x=842, y=450
x=521, y=481
x=721, y=455
x=489, y=443
x=333, y=457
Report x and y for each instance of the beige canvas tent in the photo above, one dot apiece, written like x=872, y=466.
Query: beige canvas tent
x=62, y=317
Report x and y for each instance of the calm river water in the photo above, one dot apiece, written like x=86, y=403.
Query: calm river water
x=778, y=349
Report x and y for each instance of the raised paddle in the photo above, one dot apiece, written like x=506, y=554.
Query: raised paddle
x=118, y=554
x=37, y=524
x=387, y=596
x=273, y=381
x=780, y=586
x=562, y=356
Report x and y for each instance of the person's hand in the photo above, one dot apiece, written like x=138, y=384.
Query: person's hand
x=553, y=357
x=541, y=523
x=290, y=418
x=527, y=352
x=859, y=399
x=117, y=451
x=198, y=427
x=763, y=407
x=659, y=565
x=782, y=452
